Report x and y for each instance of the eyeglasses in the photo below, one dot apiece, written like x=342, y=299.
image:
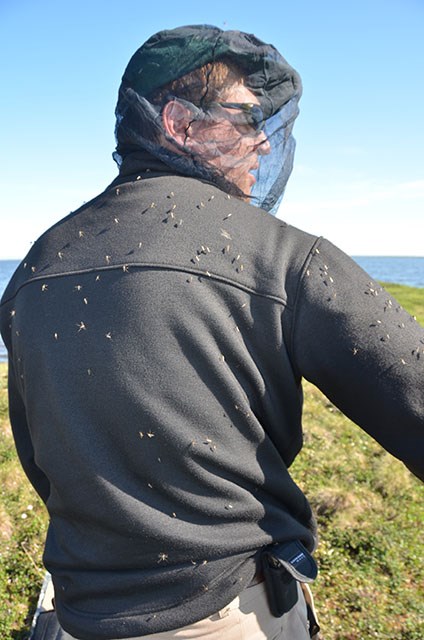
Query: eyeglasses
x=251, y=115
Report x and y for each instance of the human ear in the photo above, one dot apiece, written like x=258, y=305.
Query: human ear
x=177, y=119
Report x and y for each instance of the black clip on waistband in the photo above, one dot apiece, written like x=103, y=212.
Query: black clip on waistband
x=295, y=558
x=283, y=565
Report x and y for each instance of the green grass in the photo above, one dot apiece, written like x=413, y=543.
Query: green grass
x=370, y=514
x=22, y=531
x=369, y=508
x=411, y=298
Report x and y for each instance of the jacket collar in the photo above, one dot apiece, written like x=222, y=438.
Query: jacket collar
x=141, y=163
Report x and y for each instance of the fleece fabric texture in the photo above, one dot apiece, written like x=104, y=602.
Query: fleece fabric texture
x=157, y=339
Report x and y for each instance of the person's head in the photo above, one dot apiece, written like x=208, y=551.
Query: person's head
x=211, y=104
x=211, y=115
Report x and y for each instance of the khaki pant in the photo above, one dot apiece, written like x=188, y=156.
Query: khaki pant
x=247, y=617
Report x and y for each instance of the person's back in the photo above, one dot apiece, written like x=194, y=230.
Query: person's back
x=159, y=345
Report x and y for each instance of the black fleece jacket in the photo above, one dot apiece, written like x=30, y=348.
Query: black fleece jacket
x=157, y=339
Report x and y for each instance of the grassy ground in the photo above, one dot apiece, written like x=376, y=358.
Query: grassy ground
x=369, y=507
x=370, y=514
x=22, y=531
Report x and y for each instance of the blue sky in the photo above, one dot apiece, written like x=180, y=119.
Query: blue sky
x=359, y=170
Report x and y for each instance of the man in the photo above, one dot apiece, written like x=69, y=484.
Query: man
x=157, y=340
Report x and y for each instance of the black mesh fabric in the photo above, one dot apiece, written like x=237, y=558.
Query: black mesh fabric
x=235, y=131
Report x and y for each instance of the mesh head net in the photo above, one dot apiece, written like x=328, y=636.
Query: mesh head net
x=217, y=105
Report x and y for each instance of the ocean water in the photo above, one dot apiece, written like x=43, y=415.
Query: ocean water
x=401, y=270
x=7, y=267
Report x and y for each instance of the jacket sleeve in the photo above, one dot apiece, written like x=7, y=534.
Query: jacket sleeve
x=354, y=341
x=22, y=436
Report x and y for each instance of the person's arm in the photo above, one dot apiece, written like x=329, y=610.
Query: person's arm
x=22, y=436
x=352, y=339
